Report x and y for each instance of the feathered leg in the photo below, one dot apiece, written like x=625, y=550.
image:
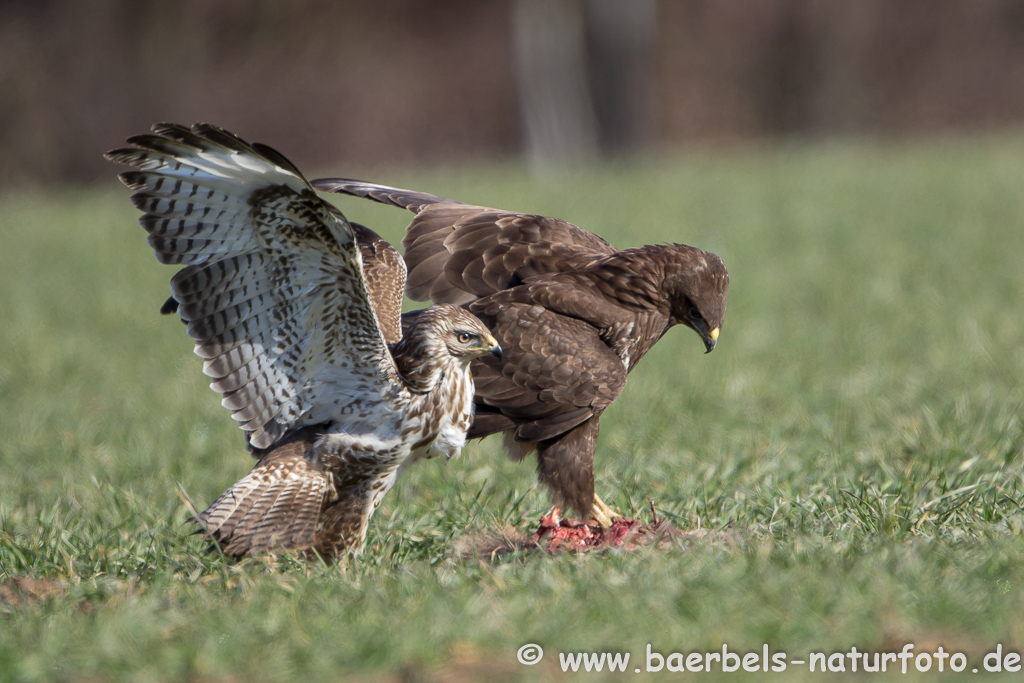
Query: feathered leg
x=565, y=465
x=342, y=526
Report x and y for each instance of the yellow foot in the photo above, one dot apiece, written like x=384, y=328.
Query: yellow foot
x=602, y=514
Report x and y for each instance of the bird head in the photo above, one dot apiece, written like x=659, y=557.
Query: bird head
x=464, y=335
x=697, y=293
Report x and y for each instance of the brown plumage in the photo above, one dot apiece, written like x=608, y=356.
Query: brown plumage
x=573, y=315
x=296, y=313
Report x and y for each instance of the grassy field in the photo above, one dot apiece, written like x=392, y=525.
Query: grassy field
x=858, y=436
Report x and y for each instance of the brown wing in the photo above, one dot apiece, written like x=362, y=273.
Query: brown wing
x=384, y=272
x=556, y=372
x=457, y=253
x=403, y=199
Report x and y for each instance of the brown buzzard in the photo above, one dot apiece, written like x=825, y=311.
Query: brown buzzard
x=573, y=314
x=292, y=309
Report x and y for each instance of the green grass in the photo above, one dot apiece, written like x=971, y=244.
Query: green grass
x=858, y=434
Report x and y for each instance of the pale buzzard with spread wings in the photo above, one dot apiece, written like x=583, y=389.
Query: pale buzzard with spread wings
x=573, y=314
x=295, y=312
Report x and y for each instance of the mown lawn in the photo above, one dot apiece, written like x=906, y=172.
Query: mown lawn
x=857, y=435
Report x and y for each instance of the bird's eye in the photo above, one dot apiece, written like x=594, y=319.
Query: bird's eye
x=694, y=313
x=465, y=337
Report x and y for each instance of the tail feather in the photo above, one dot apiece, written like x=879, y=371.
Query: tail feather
x=225, y=512
x=282, y=525
x=274, y=507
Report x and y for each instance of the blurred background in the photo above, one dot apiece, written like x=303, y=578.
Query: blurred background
x=362, y=83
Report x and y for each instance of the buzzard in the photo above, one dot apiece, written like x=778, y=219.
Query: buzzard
x=573, y=314
x=296, y=313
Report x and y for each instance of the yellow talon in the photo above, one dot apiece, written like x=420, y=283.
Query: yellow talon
x=602, y=514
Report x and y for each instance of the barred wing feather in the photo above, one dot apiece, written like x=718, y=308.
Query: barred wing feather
x=272, y=287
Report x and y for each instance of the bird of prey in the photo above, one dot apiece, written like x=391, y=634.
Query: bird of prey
x=573, y=314
x=296, y=313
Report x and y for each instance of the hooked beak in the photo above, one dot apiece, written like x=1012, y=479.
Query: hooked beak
x=495, y=349
x=710, y=339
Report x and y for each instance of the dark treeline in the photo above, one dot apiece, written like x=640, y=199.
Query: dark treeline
x=382, y=81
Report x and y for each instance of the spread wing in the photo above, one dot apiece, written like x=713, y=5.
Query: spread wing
x=384, y=272
x=272, y=290
x=457, y=253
